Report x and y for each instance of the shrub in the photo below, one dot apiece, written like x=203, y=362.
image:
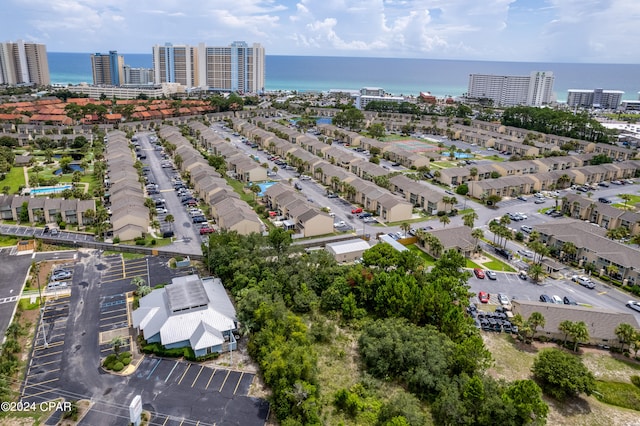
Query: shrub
x=154, y=242
x=118, y=366
x=126, y=361
x=116, y=240
x=635, y=380
x=125, y=354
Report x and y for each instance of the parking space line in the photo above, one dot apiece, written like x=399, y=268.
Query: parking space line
x=42, y=383
x=212, y=374
x=43, y=372
x=154, y=368
x=165, y=421
x=46, y=363
x=51, y=345
x=238, y=384
x=124, y=271
x=37, y=394
x=224, y=381
x=113, y=316
x=184, y=374
x=43, y=355
x=181, y=421
x=198, y=375
x=171, y=372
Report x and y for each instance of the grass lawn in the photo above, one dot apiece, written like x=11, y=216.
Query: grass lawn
x=624, y=395
x=7, y=240
x=472, y=264
x=497, y=265
x=239, y=188
x=14, y=179
x=428, y=259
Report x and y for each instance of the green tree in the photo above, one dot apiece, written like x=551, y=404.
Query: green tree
x=625, y=333
x=65, y=164
x=579, y=333
x=477, y=233
x=535, y=272
x=280, y=241
x=117, y=342
x=170, y=219
x=405, y=227
x=469, y=219
x=562, y=375
x=445, y=220
x=351, y=118
x=566, y=327
x=376, y=130
x=526, y=396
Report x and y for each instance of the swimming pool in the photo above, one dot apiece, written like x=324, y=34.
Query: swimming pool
x=461, y=155
x=264, y=186
x=47, y=190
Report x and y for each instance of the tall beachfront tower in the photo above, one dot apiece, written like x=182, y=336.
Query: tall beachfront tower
x=107, y=69
x=24, y=63
x=536, y=89
x=175, y=64
x=234, y=68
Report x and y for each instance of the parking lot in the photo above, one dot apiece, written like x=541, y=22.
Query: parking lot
x=194, y=376
x=44, y=368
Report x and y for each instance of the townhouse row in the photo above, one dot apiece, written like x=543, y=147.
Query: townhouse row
x=593, y=247
x=225, y=206
x=47, y=210
x=604, y=215
x=124, y=194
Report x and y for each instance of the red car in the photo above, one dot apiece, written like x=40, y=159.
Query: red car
x=484, y=297
x=206, y=230
x=358, y=210
x=479, y=273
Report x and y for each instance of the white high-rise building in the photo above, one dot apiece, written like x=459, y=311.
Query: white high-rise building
x=24, y=63
x=137, y=76
x=234, y=68
x=596, y=98
x=535, y=89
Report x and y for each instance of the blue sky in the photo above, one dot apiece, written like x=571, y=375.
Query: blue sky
x=591, y=31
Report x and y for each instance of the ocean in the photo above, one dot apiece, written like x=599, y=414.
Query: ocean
x=396, y=76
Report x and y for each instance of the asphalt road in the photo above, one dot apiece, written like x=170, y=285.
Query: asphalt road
x=187, y=237
x=12, y=278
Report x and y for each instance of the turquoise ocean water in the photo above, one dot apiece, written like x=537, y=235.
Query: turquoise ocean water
x=397, y=76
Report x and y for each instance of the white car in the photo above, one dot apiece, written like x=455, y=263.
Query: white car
x=339, y=224
x=633, y=305
x=557, y=299
x=503, y=299
x=525, y=253
x=522, y=215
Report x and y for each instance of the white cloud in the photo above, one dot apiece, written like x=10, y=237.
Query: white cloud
x=521, y=30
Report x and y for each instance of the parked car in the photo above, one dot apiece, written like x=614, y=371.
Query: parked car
x=60, y=274
x=604, y=200
x=557, y=299
x=633, y=305
x=58, y=285
x=484, y=297
x=503, y=299
x=298, y=186
x=522, y=198
x=540, y=200
x=585, y=282
x=569, y=300
x=522, y=275
x=479, y=273
x=339, y=224
x=545, y=298
x=504, y=253
x=491, y=275
x=198, y=219
x=525, y=253
x=206, y=230
x=54, y=232
x=356, y=210
x=526, y=228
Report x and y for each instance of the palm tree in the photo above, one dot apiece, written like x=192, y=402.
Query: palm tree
x=169, y=219
x=469, y=219
x=405, y=227
x=569, y=249
x=535, y=272
x=473, y=172
x=536, y=319
x=117, y=342
x=565, y=327
x=625, y=333
x=444, y=220
x=477, y=234
x=580, y=333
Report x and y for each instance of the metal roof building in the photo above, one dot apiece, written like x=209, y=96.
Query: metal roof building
x=190, y=312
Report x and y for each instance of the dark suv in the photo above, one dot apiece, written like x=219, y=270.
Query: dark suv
x=504, y=253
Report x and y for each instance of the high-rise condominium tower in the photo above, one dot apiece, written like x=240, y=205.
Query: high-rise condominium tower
x=108, y=69
x=536, y=89
x=24, y=63
x=237, y=67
